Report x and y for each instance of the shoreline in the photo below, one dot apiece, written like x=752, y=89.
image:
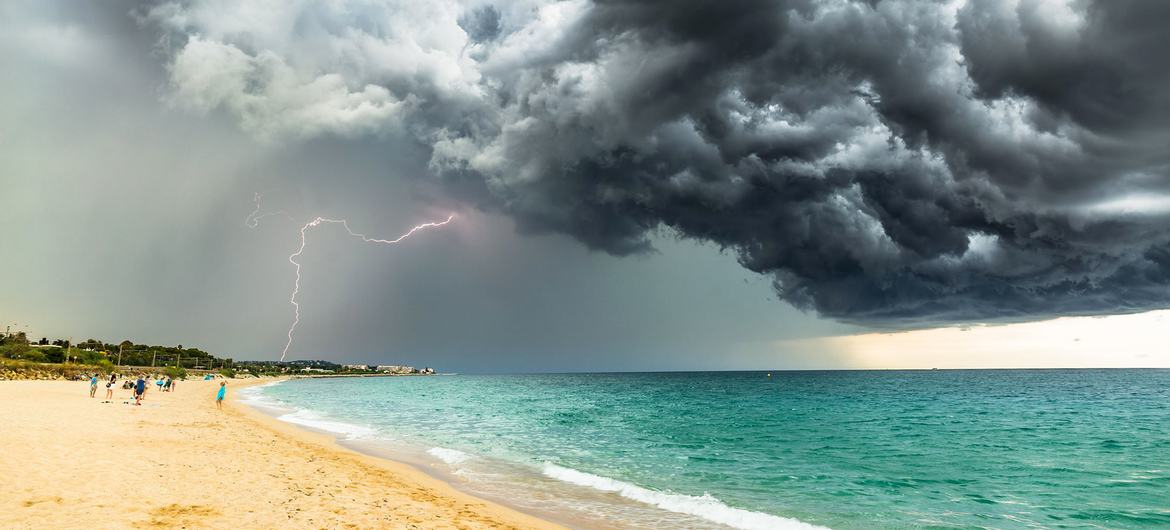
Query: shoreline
x=269, y=415
x=334, y=441
x=178, y=462
x=604, y=503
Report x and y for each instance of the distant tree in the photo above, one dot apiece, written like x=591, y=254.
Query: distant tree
x=91, y=356
x=54, y=355
x=10, y=350
x=175, y=372
x=34, y=355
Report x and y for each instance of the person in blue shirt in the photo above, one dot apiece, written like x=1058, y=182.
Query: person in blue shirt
x=92, y=385
x=139, y=390
x=219, y=395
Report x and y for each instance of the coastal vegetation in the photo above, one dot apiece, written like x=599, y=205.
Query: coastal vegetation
x=327, y=367
x=61, y=359
x=19, y=369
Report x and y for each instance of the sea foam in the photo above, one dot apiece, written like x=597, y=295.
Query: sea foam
x=450, y=456
x=253, y=395
x=313, y=420
x=706, y=506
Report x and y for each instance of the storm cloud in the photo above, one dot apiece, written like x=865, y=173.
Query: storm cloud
x=892, y=163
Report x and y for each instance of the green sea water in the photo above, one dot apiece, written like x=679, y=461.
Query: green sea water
x=842, y=450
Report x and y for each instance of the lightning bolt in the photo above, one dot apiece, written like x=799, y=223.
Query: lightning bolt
x=258, y=213
x=304, y=241
x=254, y=218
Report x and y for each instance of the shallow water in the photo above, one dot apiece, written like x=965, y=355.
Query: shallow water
x=845, y=450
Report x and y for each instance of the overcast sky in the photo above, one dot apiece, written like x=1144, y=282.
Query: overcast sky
x=638, y=185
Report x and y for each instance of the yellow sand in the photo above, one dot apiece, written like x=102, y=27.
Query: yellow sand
x=68, y=461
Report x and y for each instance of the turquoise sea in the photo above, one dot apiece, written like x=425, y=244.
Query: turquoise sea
x=839, y=449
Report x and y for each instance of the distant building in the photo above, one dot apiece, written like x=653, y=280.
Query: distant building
x=356, y=366
x=394, y=369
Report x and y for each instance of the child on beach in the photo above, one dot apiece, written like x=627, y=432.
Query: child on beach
x=220, y=394
x=92, y=385
x=139, y=389
x=110, y=390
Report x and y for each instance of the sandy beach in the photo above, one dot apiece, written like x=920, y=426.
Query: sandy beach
x=69, y=461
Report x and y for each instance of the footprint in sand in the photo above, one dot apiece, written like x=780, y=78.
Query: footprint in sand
x=175, y=515
x=40, y=500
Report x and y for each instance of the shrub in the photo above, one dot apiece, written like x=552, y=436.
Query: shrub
x=14, y=350
x=89, y=357
x=54, y=355
x=227, y=372
x=176, y=372
x=34, y=355
x=14, y=369
x=23, y=352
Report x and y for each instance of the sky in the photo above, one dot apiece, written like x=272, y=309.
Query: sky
x=637, y=185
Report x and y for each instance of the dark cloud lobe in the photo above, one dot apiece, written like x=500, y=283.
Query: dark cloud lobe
x=481, y=24
x=897, y=163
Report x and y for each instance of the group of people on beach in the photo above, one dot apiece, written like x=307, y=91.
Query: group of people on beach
x=164, y=384
x=139, y=386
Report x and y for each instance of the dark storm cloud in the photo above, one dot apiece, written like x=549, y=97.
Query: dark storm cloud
x=481, y=24
x=891, y=163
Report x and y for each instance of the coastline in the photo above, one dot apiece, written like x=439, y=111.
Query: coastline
x=271, y=416
x=560, y=495
x=71, y=461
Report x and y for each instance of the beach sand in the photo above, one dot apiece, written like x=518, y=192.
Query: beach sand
x=68, y=461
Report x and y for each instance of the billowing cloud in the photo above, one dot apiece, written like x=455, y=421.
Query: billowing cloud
x=899, y=163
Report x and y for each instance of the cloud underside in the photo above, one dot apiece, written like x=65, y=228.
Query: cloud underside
x=892, y=163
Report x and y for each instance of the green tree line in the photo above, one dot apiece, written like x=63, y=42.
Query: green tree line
x=96, y=352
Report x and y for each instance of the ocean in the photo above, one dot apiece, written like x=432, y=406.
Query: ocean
x=793, y=450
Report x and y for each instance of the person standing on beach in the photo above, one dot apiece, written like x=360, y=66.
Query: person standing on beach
x=110, y=390
x=92, y=385
x=219, y=395
x=139, y=389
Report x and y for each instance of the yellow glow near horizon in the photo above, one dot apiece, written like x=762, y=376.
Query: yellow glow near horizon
x=1121, y=341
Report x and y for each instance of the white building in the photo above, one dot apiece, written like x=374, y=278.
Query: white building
x=394, y=369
